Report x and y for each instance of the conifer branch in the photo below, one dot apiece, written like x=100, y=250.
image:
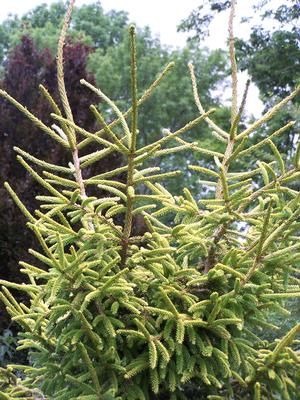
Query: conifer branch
x=60, y=74
x=108, y=130
x=19, y=203
x=113, y=106
x=233, y=128
x=231, y=139
x=285, y=341
x=234, y=110
x=40, y=180
x=42, y=163
x=92, y=136
x=264, y=141
x=144, y=97
x=90, y=366
x=214, y=126
x=173, y=135
x=134, y=116
x=54, y=107
x=297, y=156
x=92, y=158
x=34, y=119
x=50, y=99
x=260, y=246
x=65, y=101
x=130, y=184
x=268, y=115
x=281, y=179
x=186, y=145
x=110, y=306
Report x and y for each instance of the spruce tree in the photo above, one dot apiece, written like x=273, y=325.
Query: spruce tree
x=182, y=308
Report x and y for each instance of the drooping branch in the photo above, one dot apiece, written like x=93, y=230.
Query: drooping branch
x=201, y=110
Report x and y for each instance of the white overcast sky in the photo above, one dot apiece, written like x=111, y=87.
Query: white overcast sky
x=163, y=16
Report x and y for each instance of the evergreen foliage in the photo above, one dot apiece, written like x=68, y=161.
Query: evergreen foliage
x=112, y=315
x=96, y=50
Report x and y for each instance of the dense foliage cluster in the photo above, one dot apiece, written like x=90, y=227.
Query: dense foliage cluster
x=179, y=311
x=96, y=50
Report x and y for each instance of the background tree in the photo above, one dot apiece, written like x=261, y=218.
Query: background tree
x=270, y=55
x=272, y=59
x=90, y=24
